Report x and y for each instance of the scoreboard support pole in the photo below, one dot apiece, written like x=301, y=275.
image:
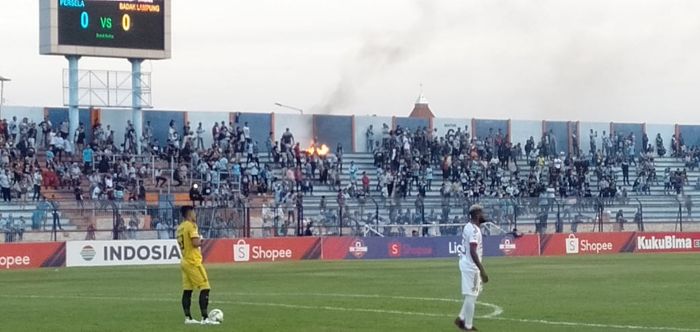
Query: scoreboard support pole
x=136, y=109
x=73, y=96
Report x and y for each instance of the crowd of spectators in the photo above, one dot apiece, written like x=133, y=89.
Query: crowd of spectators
x=102, y=168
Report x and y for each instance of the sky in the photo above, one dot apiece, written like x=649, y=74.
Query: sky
x=588, y=60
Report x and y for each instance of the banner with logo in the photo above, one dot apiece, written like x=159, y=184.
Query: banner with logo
x=667, y=242
x=32, y=255
x=587, y=243
x=424, y=247
x=261, y=250
x=125, y=252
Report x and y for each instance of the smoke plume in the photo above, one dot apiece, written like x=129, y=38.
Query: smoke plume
x=380, y=53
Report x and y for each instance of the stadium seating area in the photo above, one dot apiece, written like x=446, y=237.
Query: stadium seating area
x=413, y=177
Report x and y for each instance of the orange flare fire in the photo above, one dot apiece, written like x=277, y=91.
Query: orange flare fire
x=320, y=151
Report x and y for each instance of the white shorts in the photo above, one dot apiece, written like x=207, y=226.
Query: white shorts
x=471, y=282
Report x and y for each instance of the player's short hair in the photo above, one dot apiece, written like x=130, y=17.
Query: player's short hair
x=474, y=209
x=186, y=210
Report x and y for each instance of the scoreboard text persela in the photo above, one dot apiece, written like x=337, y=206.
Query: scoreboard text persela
x=111, y=24
x=108, y=28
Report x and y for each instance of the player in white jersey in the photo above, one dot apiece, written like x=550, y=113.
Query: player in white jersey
x=473, y=273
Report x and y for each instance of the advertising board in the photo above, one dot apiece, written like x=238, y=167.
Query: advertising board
x=31, y=255
x=125, y=252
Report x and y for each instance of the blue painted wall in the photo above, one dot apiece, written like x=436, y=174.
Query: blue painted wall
x=260, y=127
x=331, y=130
x=412, y=123
x=481, y=127
x=560, y=129
x=626, y=128
x=60, y=114
x=690, y=133
x=160, y=122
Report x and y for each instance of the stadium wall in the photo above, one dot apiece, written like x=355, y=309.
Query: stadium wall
x=362, y=122
x=116, y=119
x=160, y=121
x=333, y=129
x=411, y=123
x=561, y=132
x=666, y=130
x=690, y=133
x=442, y=125
x=35, y=114
x=260, y=125
x=58, y=115
x=584, y=134
x=481, y=127
x=521, y=130
x=207, y=119
x=626, y=128
x=301, y=126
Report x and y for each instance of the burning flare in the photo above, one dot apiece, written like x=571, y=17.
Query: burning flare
x=318, y=150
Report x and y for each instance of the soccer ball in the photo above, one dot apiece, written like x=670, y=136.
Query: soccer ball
x=216, y=315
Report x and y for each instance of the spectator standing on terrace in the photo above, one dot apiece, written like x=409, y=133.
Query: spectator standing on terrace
x=369, y=136
x=574, y=143
x=88, y=154
x=55, y=214
x=5, y=186
x=620, y=219
x=80, y=136
x=339, y=156
x=37, y=180
x=365, y=183
x=287, y=141
x=200, y=137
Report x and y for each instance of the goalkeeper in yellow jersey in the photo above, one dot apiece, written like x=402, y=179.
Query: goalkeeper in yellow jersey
x=194, y=276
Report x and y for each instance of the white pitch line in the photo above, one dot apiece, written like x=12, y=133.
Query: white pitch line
x=379, y=311
x=497, y=311
x=605, y=326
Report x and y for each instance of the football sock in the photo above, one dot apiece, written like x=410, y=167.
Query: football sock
x=186, y=301
x=204, y=302
x=467, y=313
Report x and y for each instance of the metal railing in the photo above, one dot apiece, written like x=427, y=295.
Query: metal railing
x=358, y=216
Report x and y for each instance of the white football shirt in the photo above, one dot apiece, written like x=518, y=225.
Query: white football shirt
x=471, y=234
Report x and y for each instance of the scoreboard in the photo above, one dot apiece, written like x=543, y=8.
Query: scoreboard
x=106, y=28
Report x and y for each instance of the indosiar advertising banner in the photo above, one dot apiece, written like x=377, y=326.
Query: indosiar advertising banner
x=125, y=252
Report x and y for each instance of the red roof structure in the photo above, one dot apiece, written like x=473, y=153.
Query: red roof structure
x=421, y=109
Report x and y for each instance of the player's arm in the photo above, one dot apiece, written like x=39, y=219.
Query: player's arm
x=475, y=257
x=196, y=242
x=195, y=238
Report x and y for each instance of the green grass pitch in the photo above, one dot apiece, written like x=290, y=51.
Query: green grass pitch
x=603, y=293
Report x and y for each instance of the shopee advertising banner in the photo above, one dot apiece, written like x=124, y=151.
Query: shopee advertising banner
x=423, y=247
x=261, y=250
x=32, y=255
x=587, y=243
x=667, y=242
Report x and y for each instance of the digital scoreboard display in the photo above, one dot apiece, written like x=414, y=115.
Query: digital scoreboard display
x=106, y=28
x=105, y=23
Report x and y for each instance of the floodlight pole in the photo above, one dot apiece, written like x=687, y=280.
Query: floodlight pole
x=136, y=109
x=73, y=91
x=301, y=111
